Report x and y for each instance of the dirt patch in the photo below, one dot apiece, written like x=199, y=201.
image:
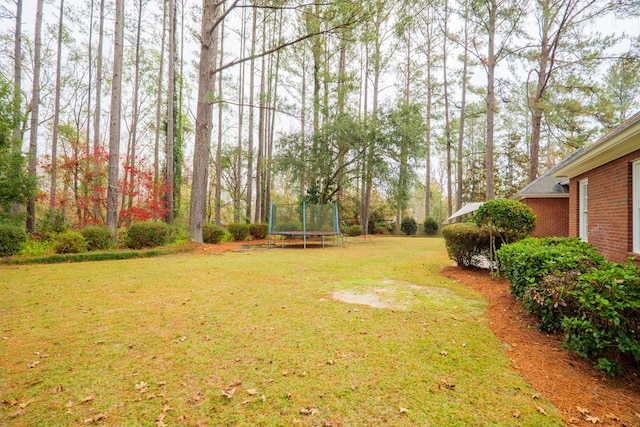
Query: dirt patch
x=372, y=300
x=583, y=395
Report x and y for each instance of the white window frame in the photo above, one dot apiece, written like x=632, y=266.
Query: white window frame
x=635, y=185
x=583, y=210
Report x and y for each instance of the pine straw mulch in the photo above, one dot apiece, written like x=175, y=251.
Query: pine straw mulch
x=583, y=395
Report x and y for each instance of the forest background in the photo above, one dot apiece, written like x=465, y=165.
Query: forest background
x=118, y=111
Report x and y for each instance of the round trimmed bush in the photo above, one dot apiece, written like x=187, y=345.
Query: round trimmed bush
x=430, y=226
x=147, y=234
x=409, y=226
x=239, y=231
x=259, y=230
x=211, y=233
x=11, y=239
x=467, y=244
x=97, y=237
x=69, y=242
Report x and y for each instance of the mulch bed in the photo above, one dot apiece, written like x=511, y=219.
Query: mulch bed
x=583, y=395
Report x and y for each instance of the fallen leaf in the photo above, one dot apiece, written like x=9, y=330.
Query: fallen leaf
x=535, y=396
x=443, y=353
x=404, y=410
x=516, y=414
x=228, y=392
x=592, y=420
x=583, y=411
x=331, y=362
x=34, y=364
x=69, y=404
x=449, y=386
x=309, y=411
x=89, y=398
x=141, y=386
x=252, y=392
x=541, y=410
x=25, y=404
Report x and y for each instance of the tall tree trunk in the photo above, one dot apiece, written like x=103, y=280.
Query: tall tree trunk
x=134, y=114
x=170, y=168
x=252, y=72
x=159, y=98
x=491, y=98
x=237, y=215
x=218, y=186
x=56, y=120
x=97, y=193
x=206, y=82
x=114, y=120
x=35, y=103
x=16, y=145
x=447, y=124
x=17, y=81
x=463, y=108
x=88, y=165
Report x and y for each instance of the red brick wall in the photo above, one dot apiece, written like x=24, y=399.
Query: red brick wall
x=552, y=216
x=610, y=205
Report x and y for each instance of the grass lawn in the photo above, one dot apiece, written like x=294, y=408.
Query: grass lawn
x=256, y=338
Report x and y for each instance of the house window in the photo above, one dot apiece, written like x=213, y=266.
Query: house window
x=636, y=206
x=584, y=210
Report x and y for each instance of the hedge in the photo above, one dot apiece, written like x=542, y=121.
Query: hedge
x=467, y=244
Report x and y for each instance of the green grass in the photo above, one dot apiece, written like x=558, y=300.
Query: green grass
x=157, y=340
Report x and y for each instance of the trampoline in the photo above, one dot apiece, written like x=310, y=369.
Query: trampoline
x=305, y=223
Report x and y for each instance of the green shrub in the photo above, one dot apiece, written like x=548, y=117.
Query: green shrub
x=430, y=226
x=409, y=226
x=529, y=261
x=239, y=231
x=467, y=244
x=33, y=247
x=259, y=230
x=46, y=228
x=211, y=233
x=12, y=237
x=507, y=221
x=69, y=242
x=97, y=237
x=605, y=327
x=146, y=234
x=354, y=230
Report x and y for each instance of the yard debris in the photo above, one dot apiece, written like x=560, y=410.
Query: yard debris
x=404, y=410
x=89, y=398
x=541, y=410
x=309, y=411
x=230, y=389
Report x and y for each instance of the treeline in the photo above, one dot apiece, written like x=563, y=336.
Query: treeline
x=124, y=110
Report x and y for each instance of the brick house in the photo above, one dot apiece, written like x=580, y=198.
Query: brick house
x=548, y=198
x=604, y=192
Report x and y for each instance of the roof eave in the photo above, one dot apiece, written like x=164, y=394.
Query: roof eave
x=609, y=149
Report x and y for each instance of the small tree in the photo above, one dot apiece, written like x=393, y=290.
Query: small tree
x=507, y=219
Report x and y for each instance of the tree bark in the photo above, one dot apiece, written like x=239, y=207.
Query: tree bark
x=56, y=120
x=114, y=121
x=170, y=167
x=35, y=103
x=156, y=146
x=206, y=82
x=97, y=193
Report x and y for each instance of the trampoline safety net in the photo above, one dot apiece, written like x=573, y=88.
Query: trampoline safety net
x=304, y=220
